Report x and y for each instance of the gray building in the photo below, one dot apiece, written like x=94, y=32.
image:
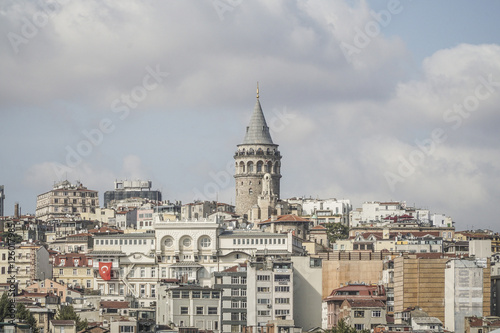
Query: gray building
x=2, y=198
x=127, y=189
x=189, y=306
x=233, y=283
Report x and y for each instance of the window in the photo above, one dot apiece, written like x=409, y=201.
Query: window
x=186, y=242
x=359, y=326
x=235, y=292
x=282, y=289
x=176, y=294
x=142, y=288
x=199, y=310
x=235, y=280
x=212, y=310
x=235, y=304
x=153, y=272
x=376, y=313
x=263, y=301
x=282, y=312
x=75, y=272
x=263, y=289
x=184, y=310
x=205, y=294
x=88, y=272
x=205, y=242
x=61, y=271
x=196, y=294
x=89, y=283
x=359, y=314
x=263, y=277
x=143, y=272
x=263, y=313
x=215, y=294
x=185, y=294
x=279, y=300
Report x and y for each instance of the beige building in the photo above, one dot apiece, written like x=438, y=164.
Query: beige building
x=31, y=262
x=66, y=200
x=420, y=282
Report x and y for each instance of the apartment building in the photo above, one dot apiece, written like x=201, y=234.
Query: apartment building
x=65, y=201
x=188, y=306
x=270, y=294
x=31, y=264
x=233, y=284
x=465, y=291
x=75, y=270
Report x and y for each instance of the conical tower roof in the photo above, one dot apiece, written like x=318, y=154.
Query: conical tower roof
x=257, y=130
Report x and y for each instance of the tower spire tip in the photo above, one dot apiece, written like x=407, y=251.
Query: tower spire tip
x=257, y=89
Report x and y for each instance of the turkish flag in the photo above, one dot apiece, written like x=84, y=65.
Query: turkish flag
x=105, y=270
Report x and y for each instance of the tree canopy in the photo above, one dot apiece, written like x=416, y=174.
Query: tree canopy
x=26, y=317
x=336, y=231
x=67, y=312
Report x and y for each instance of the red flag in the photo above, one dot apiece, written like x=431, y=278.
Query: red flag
x=105, y=270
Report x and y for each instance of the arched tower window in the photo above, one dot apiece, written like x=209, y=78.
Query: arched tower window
x=269, y=167
x=242, y=167
x=250, y=191
x=251, y=151
x=259, y=166
x=276, y=168
x=250, y=167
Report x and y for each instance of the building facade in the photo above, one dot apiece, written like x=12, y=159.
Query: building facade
x=66, y=200
x=127, y=189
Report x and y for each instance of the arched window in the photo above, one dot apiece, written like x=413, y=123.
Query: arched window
x=269, y=167
x=251, y=151
x=250, y=167
x=205, y=242
x=242, y=167
x=259, y=166
x=250, y=191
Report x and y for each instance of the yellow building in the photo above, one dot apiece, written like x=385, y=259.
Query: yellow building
x=74, y=270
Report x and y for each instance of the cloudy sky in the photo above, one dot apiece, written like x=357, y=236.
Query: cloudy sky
x=368, y=100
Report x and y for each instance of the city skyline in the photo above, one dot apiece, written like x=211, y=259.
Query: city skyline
x=353, y=92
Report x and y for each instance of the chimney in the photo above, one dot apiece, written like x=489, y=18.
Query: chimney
x=16, y=210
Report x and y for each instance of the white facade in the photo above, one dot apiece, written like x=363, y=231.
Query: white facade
x=187, y=249
x=441, y=220
x=325, y=209
x=269, y=292
x=463, y=292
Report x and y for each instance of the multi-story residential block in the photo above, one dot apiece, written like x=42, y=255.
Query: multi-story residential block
x=126, y=219
x=145, y=217
x=297, y=225
x=65, y=201
x=103, y=215
x=354, y=292
x=188, y=306
x=363, y=314
x=52, y=287
x=381, y=213
x=419, y=281
x=77, y=243
x=322, y=211
x=465, y=291
x=270, y=294
x=75, y=270
x=394, y=229
x=128, y=189
x=31, y=264
x=233, y=284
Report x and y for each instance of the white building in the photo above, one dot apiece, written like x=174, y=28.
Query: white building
x=270, y=294
x=324, y=210
x=463, y=292
x=376, y=212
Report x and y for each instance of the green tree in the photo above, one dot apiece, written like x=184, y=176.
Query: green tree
x=342, y=327
x=4, y=306
x=67, y=312
x=15, y=237
x=26, y=317
x=336, y=231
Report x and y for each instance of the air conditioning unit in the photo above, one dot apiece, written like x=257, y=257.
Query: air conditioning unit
x=269, y=306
